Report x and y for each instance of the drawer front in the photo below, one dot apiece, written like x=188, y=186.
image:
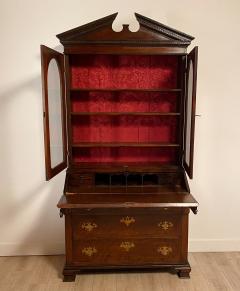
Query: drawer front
x=126, y=225
x=125, y=251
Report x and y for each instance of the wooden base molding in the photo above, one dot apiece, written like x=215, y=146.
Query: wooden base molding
x=70, y=272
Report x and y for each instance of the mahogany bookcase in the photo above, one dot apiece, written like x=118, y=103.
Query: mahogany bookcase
x=119, y=111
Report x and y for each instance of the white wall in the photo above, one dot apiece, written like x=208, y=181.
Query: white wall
x=29, y=220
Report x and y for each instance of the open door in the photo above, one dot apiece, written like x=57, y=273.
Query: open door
x=190, y=108
x=54, y=111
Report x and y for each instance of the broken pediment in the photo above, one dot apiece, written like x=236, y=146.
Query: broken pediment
x=150, y=32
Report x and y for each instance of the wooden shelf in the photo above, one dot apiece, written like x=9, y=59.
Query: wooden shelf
x=118, y=166
x=127, y=89
x=123, y=144
x=127, y=113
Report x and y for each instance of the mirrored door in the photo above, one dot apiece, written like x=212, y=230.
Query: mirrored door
x=54, y=111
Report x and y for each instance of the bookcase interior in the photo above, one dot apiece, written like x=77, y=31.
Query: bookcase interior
x=123, y=71
x=125, y=108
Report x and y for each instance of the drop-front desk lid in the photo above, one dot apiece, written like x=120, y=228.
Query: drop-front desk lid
x=133, y=200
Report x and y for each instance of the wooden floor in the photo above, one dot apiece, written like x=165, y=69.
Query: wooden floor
x=210, y=271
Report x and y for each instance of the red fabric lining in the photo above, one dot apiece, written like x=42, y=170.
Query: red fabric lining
x=113, y=71
x=124, y=129
x=125, y=154
x=124, y=72
x=124, y=102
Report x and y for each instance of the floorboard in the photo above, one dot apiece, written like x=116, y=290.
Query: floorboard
x=210, y=272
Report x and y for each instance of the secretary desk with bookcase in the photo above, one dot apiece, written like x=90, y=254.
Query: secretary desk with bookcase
x=119, y=111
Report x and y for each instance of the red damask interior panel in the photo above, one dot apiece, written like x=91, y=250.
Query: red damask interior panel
x=96, y=101
x=114, y=71
x=124, y=129
x=125, y=154
x=124, y=72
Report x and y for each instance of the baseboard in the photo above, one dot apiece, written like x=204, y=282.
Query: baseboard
x=214, y=245
x=43, y=248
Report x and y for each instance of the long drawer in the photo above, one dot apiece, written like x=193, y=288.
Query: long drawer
x=126, y=225
x=125, y=251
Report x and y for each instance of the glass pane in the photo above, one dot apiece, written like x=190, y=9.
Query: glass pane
x=55, y=114
x=189, y=114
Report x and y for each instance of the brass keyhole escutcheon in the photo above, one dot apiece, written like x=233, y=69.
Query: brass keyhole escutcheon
x=165, y=225
x=164, y=250
x=89, y=251
x=89, y=226
x=127, y=220
x=126, y=245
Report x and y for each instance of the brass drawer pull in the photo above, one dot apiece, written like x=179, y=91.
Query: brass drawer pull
x=164, y=250
x=127, y=220
x=89, y=226
x=126, y=245
x=165, y=225
x=89, y=251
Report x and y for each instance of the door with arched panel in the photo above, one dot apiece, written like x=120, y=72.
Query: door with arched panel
x=54, y=111
x=190, y=109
